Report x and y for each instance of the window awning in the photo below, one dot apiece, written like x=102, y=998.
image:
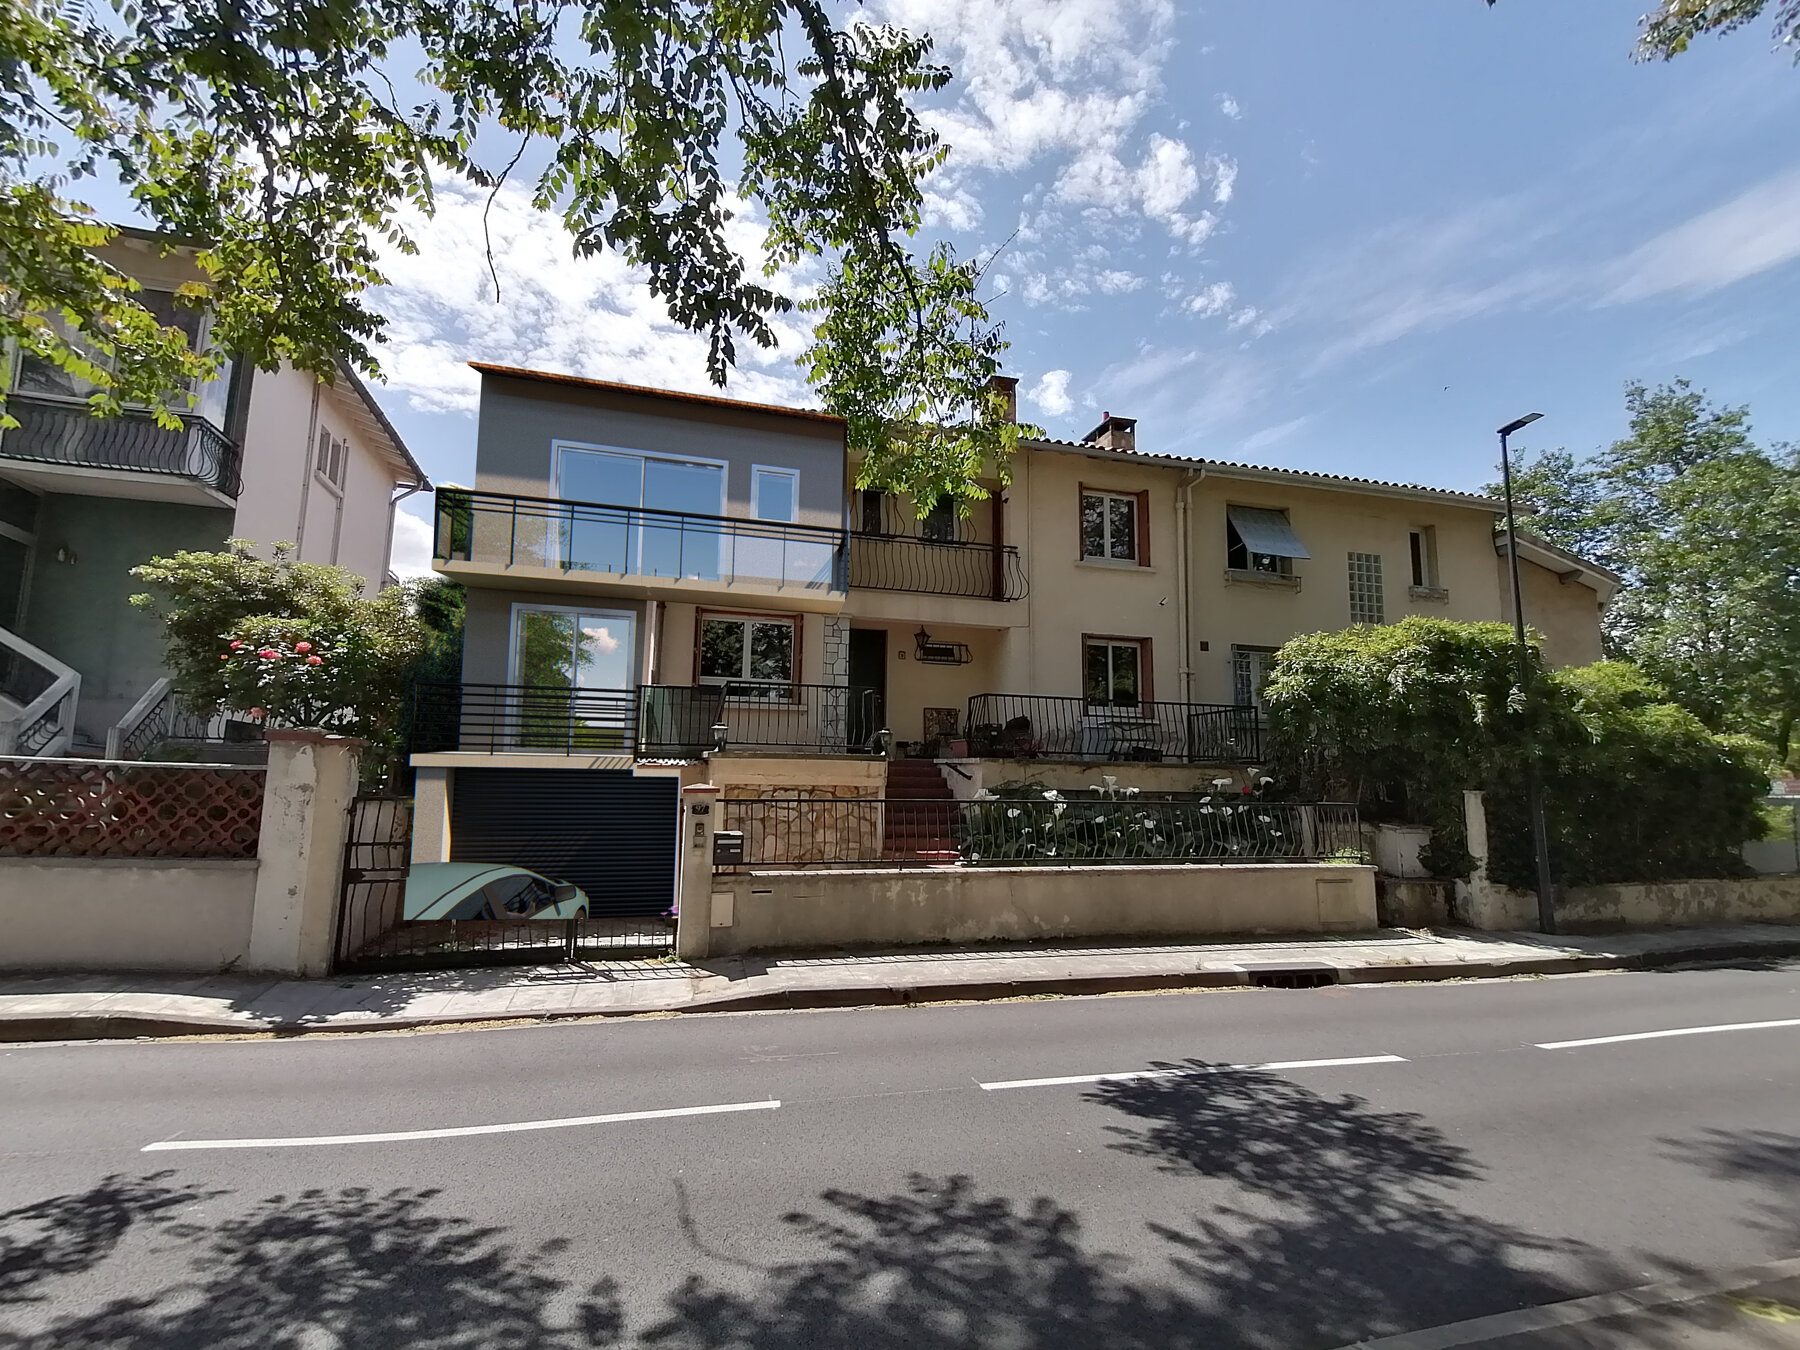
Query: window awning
x=1266, y=532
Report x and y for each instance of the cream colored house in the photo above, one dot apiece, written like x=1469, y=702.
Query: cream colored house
x=282, y=456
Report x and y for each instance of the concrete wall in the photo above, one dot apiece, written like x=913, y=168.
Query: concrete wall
x=80, y=611
x=125, y=913
x=520, y=418
x=1681, y=904
x=851, y=908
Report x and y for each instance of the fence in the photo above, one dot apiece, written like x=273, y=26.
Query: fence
x=503, y=529
x=1033, y=726
x=678, y=721
x=936, y=567
x=499, y=717
x=995, y=832
x=65, y=808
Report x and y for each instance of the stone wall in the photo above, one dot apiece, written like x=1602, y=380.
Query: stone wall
x=825, y=833
x=834, y=668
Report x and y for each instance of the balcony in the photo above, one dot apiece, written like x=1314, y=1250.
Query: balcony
x=69, y=442
x=659, y=721
x=1030, y=726
x=503, y=539
x=887, y=562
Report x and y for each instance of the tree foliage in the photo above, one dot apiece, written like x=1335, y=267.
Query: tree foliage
x=272, y=131
x=1672, y=26
x=1402, y=719
x=1700, y=521
x=298, y=642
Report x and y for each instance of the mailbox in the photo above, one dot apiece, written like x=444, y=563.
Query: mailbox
x=728, y=848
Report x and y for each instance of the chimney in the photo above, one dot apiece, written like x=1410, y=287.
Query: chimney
x=1007, y=386
x=1114, y=433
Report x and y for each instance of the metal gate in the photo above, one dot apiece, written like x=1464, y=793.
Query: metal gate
x=532, y=879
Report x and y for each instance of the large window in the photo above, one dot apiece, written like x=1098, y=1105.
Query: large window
x=736, y=649
x=1115, y=672
x=939, y=523
x=1366, y=600
x=576, y=666
x=642, y=542
x=1111, y=526
x=1249, y=673
x=1260, y=540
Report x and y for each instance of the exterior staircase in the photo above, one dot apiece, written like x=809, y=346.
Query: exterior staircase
x=922, y=814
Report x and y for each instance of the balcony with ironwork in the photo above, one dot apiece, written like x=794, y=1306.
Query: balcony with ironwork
x=895, y=562
x=541, y=543
x=59, y=443
x=1033, y=726
x=658, y=721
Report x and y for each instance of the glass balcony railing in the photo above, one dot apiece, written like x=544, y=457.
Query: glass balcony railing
x=504, y=530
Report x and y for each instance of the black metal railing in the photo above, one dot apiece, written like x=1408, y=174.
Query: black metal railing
x=679, y=721
x=891, y=562
x=1116, y=825
x=511, y=531
x=1034, y=726
x=59, y=432
x=495, y=718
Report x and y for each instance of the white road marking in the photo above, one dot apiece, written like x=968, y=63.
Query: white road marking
x=1676, y=1031
x=455, y=1132
x=1189, y=1073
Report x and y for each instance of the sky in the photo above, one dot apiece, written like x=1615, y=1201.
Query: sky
x=1353, y=238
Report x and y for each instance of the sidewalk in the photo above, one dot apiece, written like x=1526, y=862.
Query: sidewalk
x=55, y=1007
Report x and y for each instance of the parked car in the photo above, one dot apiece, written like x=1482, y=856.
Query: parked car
x=464, y=890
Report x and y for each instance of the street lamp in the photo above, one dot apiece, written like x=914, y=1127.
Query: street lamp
x=1540, y=831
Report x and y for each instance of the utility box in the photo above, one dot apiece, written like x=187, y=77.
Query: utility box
x=728, y=848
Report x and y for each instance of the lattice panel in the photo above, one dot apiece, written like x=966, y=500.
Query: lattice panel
x=80, y=810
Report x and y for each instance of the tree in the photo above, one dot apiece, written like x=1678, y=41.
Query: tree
x=274, y=134
x=297, y=642
x=1672, y=26
x=1699, y=521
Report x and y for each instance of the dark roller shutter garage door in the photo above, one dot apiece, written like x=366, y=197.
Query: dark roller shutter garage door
x=611, y=834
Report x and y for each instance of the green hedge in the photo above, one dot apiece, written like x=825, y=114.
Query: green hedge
x=1401, y=718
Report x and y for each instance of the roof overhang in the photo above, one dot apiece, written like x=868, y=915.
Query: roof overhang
x=373, y=422
x=1570, y=568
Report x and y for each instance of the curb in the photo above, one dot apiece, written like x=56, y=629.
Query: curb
x=1272, y=974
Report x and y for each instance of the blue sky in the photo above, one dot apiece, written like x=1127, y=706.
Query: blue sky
x=1352, y=237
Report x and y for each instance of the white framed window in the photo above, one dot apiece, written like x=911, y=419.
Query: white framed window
x=1367, y=603
x=332, y=460
x=775, y=493
x=572, y=647
x=632, y=509
x=1249, y=673
x=1111, y=526
x=1423, y=543
x=742, y=649
x=1115, y=671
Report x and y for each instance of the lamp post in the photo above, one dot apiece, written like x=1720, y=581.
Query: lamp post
x=1540, y=831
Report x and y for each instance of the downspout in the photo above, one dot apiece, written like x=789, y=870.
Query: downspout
x=307, y=452
x=387, y=552
x=1184, y=544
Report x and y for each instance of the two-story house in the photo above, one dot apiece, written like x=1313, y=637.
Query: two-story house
x=666, y=587
x=284, y=456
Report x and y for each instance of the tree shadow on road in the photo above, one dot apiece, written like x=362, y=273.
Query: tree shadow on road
x=1769, y=1160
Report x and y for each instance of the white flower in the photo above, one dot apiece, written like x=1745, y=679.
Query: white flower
x=1264, y=781
x=1267, y=820
x=1221, y=782
x=983, y=795
x=1012, y=813
x=1111, y=781
x=1052, y=795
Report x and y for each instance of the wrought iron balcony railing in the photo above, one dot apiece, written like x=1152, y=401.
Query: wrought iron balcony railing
x=512, y=531
x=892, y=562
x=502, y=717
x=55, y=431
x=1031, y=726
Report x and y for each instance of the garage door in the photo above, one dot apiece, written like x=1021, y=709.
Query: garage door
x=611, y=834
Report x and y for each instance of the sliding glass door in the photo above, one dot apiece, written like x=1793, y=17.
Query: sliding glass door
x=573, y=669
x=616, y=528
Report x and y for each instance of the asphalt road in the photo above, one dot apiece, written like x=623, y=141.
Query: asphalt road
x=227, y=1193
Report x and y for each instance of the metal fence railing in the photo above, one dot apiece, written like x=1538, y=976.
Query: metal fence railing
x=73, y=808
x=1035, y=726
x=892, y=562
x=501, y=717
x=62, y=432
x=1120, y=826
x=682, y=721
x=502, y=529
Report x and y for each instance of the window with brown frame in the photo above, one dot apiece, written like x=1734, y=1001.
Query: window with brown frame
x=1115, y=526
x=1115, y=671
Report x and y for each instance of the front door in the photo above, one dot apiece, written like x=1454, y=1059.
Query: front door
x=868, y=670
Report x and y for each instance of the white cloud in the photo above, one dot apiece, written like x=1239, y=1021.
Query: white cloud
x=1269, y=436
x=1750, y=234
x=412, y=546
x=1211, y=300
x=591, y=316
x=1223, y=172
x=1051, y=393
x=1230, y=107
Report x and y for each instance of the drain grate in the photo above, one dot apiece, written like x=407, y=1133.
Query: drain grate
x=1293, y=977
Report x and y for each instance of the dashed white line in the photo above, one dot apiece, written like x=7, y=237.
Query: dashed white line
x=455, y=1132
x=1134, y=1075
x=1673, y=1031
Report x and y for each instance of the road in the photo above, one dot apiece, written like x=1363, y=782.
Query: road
x=1409, y=1156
